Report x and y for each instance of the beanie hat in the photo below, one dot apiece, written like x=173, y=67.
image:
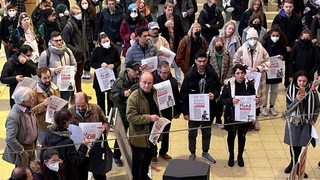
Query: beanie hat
x=61, y=8
x=132, y=6
x=252, y=33
x=47, y=12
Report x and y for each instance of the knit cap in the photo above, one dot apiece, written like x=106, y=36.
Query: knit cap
x=252, y=33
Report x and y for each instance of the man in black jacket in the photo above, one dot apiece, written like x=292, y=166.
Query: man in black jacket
x=201, y=79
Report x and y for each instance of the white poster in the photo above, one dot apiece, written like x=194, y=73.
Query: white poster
x=256, y=76
x=55, y=104
x=151, y=63
x=76, y=135
x=26, y=82
x=199, y=107
x=65, y=80
x=245, y=109
x=91, y=130
x=164, y=94
x=166, y=55
x=105, y=78
x=276, y=68
x=157, y=129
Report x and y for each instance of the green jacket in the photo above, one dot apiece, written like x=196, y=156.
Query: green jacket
x=138, y=115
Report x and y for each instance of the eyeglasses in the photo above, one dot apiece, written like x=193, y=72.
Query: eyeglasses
x=165, y=73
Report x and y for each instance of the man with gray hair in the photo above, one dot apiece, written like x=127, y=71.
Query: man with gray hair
x=21, y=129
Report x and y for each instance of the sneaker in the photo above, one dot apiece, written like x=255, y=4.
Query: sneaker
x=264, y=111
x=118, y=162
x=273, y=111
x=154, y=159
x=88, y=75
x=206, y=156
x=165, y=156
x=83, y=75
x=192, y=157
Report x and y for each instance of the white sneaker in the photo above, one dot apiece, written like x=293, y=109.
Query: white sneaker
x=273, y=111
x=264, y=111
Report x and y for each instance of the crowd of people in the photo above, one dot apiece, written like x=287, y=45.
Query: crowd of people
x=215, y=53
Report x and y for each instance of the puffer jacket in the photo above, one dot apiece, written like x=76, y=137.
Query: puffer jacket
x=135, y=52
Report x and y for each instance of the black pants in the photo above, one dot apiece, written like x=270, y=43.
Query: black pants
x=77, y=77
x=83, y=171
x=116, y=151
x=206, y=135
x=219, y=112
x=241, y=130
x=297, y=151
x=101, y=100
x=141, y=159
x=87, y=64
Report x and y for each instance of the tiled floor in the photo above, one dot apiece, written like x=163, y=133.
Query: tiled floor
x=265, y=155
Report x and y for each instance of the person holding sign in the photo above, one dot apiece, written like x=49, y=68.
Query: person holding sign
x=241, y=86
x=256, y=59
x=106, y=55
x=301, y=117
x=173, y=110
x=142, y=112
x=201, y=79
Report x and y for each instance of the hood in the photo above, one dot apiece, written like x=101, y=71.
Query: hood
x=54, y=137
x=283, y=14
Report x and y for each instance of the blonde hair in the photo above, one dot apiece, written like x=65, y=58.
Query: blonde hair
x=194, y=25
x=223, y=32
x=74, y=8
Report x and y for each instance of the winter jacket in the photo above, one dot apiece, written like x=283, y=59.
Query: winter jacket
x=46, y=28
x=91, y=25
x=39, y=108
x=184, y=50
x=71, y=157
x=245, y=20
x=190, y=85
x=261, y=34
x=226, y=67
x=185, y=6
x=240, y=7
x=76, y=40
x=110, y=24
x=227, y=95
x=102, y=55
x=7, y=25
x=138, y=115
x=178, y=29
x=135, y=52
x=212, y=16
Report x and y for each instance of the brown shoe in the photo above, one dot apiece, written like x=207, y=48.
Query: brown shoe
x=154, y=159
x=165, y=156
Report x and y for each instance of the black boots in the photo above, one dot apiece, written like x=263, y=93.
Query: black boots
x=240, y=160
x=231, y=160
x=288, y=168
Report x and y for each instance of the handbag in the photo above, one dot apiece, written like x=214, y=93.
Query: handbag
x=100, y=157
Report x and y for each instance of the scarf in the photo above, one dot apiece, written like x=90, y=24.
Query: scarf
x=59, y=51
x=45, y=88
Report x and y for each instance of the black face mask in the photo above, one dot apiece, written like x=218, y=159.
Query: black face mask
x=305, y=41
x=197, y=34
x=256, y=26
x=218, y=48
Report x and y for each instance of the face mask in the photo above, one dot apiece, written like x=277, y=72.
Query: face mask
x=106, y=45
x=197, y=34
x=256, y=26
x=133, y=14
x=84, y=6
x=66, y=13
x=317, y=2
x=218, y=48
x=54, y=166
x=12, y=13
x=252, y=42
x=78, y=16
x=275, y=39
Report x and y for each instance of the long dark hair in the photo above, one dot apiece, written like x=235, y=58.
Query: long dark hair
x=91, y=9
x=276, y=28
x=61, y=118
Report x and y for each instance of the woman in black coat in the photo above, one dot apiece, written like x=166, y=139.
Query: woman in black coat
x=59, y=135
x=106, y=55
x=237, y=85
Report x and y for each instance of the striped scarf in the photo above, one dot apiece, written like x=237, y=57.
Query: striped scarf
x=305, y=109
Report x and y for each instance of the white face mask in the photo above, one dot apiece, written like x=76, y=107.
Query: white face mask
x=66, y=13
x=117, y=1
x=53, y=166
x=78, y=16
x=132, y=42
x=85, y=6
x=275, y=39
x=106, y=45
x=133, y=14
x=317, y=2
x=12, y=13
x=252, y=42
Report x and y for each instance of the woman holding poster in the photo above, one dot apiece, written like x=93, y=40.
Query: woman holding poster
x=238, y=85
x=301, y=117
x=106, y=55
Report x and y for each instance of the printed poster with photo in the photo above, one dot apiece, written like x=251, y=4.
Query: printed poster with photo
x=199, y=107
x=55, y=104
x=157, y=129
x=152, y=63
x=105, y=78
x=65, y=80
x=26, y=82
x=276, y=68
x=164, y=94
x=245, y=109
x=91, y=130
